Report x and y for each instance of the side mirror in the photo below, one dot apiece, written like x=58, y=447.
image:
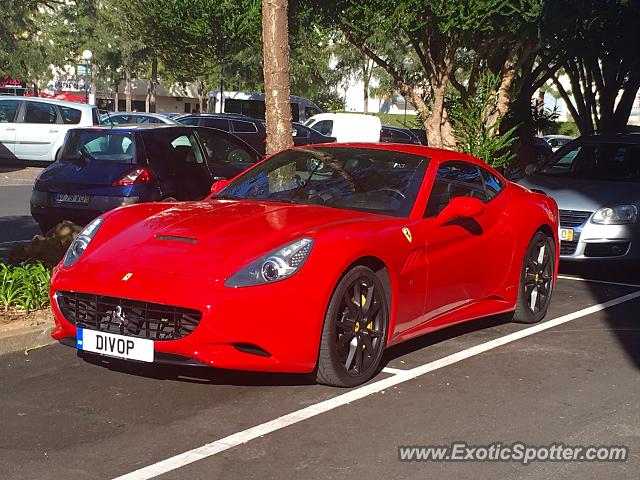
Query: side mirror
x=219, y=185
x=460, y=207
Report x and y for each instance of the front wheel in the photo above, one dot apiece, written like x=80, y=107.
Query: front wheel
x=355, y=330
x=536, y=280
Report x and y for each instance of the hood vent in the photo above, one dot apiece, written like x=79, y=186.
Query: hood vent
x=177, y=238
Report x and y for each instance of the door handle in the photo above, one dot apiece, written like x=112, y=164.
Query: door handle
x=53, y=131
x=10, y=129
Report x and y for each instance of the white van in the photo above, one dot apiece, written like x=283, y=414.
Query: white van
x=347, y=127
x=34, y=128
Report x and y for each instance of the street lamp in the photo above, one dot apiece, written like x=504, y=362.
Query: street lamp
x=87, y=55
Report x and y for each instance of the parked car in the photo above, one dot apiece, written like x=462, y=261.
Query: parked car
x=303, y=135
x=33, y=129
x=252, y=130
x=120, y=118
x=421, y=134
x=557, y=141
x=103, y=168
x=172, y=115
x=391, y=134
x=347, y=127
x=220, y=282
x=596, y=181
x=249, y=129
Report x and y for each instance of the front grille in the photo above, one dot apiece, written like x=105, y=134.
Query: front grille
x=568, y=248
x=606, y=249
x=573, y=218
x=123, y=316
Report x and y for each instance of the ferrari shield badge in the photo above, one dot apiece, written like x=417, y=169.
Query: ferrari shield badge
x=407, y=233
x=127, y=277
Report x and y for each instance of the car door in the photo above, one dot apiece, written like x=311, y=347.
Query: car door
x=38, y=131
x=225, y=155
x=9, y=109
x=179, y=162
x=463, y=255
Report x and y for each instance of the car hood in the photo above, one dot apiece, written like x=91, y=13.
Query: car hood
x=211, y=238
x=586, y=195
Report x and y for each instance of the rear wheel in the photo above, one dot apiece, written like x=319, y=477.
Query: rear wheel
x=355, y=330
x=536, y=280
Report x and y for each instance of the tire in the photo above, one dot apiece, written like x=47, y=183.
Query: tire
x=354, y=332
x=536, y=280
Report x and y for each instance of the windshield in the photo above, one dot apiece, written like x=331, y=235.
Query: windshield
x=603, y=161
x=369, y=180
x=99, y=145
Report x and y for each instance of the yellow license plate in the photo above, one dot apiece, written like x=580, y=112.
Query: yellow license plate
x=566, y=234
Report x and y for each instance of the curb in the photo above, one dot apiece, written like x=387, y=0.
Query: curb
x=22, y=339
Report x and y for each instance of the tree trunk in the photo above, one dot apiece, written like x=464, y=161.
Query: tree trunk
x=200, y=88
x=277, y=88
x=127, y=89
x=153, y=84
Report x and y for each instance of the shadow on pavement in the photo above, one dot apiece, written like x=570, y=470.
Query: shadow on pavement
x=623, y=323
x=195, y=374
x=15, y=230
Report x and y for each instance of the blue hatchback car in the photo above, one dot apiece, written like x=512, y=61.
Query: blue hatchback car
x=102, y=168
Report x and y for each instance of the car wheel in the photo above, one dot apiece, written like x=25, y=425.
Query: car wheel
x=536, y=280
x=169, y=199
x=354, y=331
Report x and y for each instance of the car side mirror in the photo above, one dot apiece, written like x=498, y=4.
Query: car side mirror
x=460, y=207
x=219, y=185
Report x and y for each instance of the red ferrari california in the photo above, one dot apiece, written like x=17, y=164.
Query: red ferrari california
x=315, y=260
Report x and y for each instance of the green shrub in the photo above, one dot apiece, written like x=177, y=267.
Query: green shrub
x=24, y=286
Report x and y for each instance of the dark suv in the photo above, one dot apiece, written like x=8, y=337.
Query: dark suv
x=101, y=168
x=251, y=130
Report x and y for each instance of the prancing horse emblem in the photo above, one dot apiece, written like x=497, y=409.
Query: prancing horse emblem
x=117, y=316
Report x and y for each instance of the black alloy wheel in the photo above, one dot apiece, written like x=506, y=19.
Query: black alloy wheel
x=355, y=330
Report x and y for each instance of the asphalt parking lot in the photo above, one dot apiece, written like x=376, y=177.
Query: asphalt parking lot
x=571, y=379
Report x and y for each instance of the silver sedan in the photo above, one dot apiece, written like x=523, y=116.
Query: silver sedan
x=596, y=182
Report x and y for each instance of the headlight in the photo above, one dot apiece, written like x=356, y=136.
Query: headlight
x=618, y=215
x=273, y=266
x=80, y=244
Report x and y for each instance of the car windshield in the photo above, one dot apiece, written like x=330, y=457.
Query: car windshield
x=105, y=145
x=369, y=180
x=601, y=161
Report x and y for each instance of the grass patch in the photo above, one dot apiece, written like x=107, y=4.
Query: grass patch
x=25, y=287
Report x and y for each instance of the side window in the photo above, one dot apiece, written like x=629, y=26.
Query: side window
x=189, y=121
x=219, y=123
x=172, y=150
x=36, y=112
x=454, y=179
x=243, y=127
x=8, y=110
x=325, y=127
x=492, y=183
x=70, y=116
x=95, y=116
x=222, y=150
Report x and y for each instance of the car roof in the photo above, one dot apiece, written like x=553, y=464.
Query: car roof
x=629, y=137
x=62, y=103
x=133, y=127
x=134, y=114
x=238, y=116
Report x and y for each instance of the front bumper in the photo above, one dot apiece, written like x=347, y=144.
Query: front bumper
x=593, y=242
x=237, y=326
x=46, y=212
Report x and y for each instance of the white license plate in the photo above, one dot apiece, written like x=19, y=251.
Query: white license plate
x=72, y=198
x=114, y=345
x=566, y=234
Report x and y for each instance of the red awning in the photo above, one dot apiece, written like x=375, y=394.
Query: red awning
x=66, y=96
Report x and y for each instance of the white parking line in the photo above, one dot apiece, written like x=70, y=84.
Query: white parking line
x=392, y=370
x=359, y=393
x=607, y=282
